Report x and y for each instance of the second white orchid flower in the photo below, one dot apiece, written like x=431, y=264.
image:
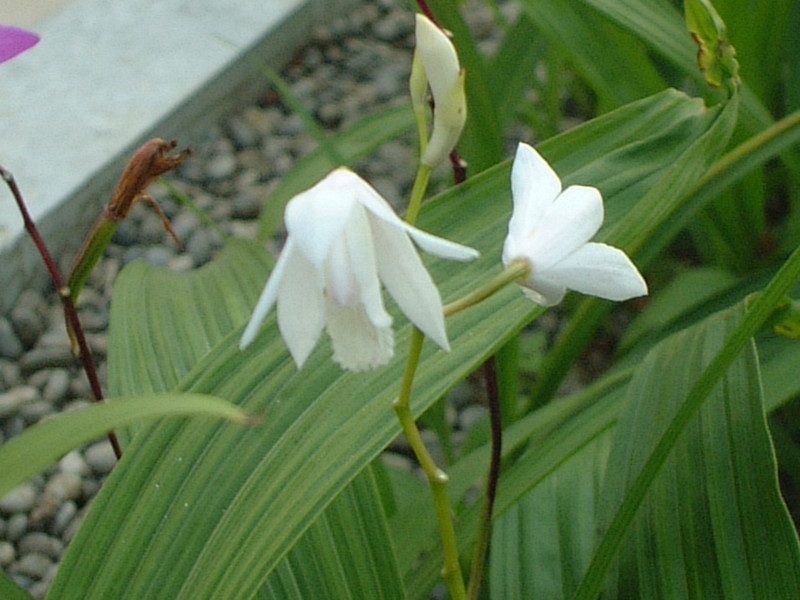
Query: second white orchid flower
x=343, y=241
x=436, y=64
x=550, y=230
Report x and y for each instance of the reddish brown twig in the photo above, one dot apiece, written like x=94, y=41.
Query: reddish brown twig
x=426, y=10
x=86, y=359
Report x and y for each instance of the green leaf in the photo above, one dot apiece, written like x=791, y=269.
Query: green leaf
x=583, y=35
x=346, y=553
x=10, y=590
x=41, y=445
x=237, y=502
x=542, y=543
x=736, y=339
x=713, y=523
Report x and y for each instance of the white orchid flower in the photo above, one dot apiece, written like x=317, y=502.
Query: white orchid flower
x=436, y=63
x=550, y=230
x=343, y=240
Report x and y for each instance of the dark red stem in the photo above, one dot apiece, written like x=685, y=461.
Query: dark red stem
x=426, y=10
x=87, y=362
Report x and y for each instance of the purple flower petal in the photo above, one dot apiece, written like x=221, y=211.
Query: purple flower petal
x=14, y=40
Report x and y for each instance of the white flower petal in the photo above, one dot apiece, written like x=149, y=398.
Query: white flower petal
x=534, y=187
x=301, y=312
x=268, y=296
x=362, y=269
x=568, y=223
x=440, y=247
x=370, y=199
x=600, y=270
x=543, y=292
x=438, y=56
x=358, y=343
x=317, y=217
x=409, y=283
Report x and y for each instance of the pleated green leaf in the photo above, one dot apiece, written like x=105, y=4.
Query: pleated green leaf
x=542, y=544
x=713, y=523
x=197, y=510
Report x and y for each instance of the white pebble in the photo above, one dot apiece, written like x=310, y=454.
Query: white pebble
x=7, y=553
x=73, y=462
x=33, y=565
x=19, y=500
x=100, y=457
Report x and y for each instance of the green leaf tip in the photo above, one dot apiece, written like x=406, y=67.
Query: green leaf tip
x=715, y=56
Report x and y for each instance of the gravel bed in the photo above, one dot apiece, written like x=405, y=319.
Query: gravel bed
x=351, y=67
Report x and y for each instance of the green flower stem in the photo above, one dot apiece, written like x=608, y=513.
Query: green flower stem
x=438, y=479
x=516, y=270
x=417, y=193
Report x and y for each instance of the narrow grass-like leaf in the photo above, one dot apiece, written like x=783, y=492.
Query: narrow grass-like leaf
x=583, y=36
x=41, y=445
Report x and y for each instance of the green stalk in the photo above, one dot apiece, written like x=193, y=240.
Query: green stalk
x=516, y=270
x=417, y=193
x=438, y=479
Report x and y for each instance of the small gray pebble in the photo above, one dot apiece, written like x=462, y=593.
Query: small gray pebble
x=127, y=233
x=132, y=253
x=158, y=256
x=63, y=486
x=388, y=29
x=34, y=411
x=471, y=415
x=19, y=500
x=33, y=565
x=100, y=457
x=57, y=385
x=200, y=246
x=248, y=204
x=46, y=356
x=17, y=525
x=184, y=224
x=26, y=317
x=10, y=345
x=181, y=263
x=16, y=398
x=39, y=589
x=7, y=553
x=221, y=166
x=63, y=517
x=241, y=133
x=13, y=426
x=73, y=462
x=10, y=375
x=41, y=543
